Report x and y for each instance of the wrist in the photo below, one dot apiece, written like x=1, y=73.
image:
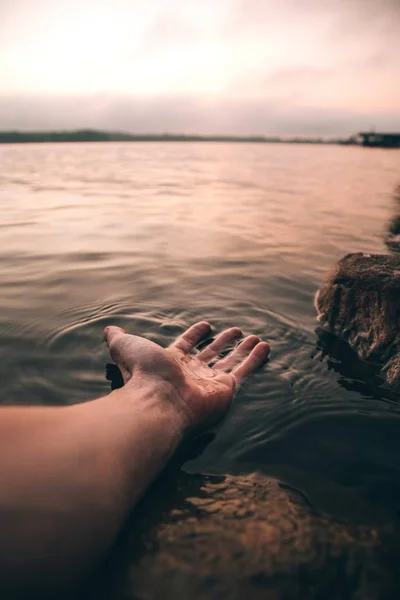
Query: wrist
x=156, y=400
x=164, y=396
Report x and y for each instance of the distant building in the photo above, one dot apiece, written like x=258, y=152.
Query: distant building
x=380, y=140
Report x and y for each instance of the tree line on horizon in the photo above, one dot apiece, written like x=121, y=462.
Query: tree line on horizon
x=93, y=135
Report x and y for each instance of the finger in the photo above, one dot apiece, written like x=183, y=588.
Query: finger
x=192, y=336
x=111, y=333
x=223, y=340
x=255, y=359
x=116, y=339
x=238, y=354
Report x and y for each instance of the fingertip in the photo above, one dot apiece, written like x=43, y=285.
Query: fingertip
x=237, y=331
x=204, y=325
x=257, y=357
x=111, y=332
x=248, y=343
x=234, y=332
x=260, y=353
x=262, y=349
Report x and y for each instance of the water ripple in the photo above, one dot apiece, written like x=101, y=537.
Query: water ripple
x=153, y=238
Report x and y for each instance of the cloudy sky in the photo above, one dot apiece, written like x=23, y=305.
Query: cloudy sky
x=290, y=67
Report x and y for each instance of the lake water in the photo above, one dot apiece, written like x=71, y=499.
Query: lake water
x=155, y=236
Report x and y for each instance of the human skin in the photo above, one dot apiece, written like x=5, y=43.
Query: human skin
x=70, y=475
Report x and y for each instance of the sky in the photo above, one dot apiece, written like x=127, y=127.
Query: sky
x=272, y=67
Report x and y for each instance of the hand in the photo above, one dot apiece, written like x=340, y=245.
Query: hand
x=202, y=393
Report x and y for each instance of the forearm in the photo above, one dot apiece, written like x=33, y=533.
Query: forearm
x=135, y=430
x=70, y=475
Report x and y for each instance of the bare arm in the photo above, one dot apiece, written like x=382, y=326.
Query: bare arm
x=70, y=475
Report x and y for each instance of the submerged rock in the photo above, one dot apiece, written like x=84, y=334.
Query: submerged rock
x=246, y=536
x=360, y=301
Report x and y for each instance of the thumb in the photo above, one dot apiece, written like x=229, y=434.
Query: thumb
x=115, y=338
x=112, y=333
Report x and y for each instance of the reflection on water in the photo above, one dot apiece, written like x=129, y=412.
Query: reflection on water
x=155, y=236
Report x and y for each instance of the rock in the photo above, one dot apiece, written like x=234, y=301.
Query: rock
x=360, y=302
x=246, y=536
x=392, y=238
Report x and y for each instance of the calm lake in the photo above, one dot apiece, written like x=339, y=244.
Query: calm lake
x=155, y=236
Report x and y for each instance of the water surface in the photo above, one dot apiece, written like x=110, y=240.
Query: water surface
x=155, y=236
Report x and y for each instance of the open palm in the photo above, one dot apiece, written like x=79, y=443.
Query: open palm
x=201, y=384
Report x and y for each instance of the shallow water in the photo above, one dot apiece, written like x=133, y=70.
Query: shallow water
x=153, y=237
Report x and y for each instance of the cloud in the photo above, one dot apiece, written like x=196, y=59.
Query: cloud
x=169, y=28
x=188, y=114
x=232, y=66
x=290, y=75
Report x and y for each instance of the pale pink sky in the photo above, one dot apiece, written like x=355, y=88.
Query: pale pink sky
x=316, y=67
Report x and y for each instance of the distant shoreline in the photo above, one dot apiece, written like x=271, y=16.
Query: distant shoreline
x=92, y=135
